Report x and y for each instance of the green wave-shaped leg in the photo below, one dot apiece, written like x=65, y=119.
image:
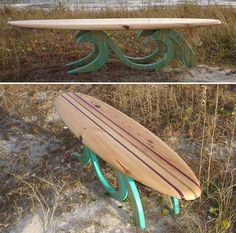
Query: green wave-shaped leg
x=119, y=194
x=172, y=203
x=95, y=60
x=145, y=59
x=135, y=202
x=170, y=46
x=83, y=158
x=183, y=50
x=86, y=60
x=127, y=186
x=175, y=203
x=148, y=58
x=136, y=62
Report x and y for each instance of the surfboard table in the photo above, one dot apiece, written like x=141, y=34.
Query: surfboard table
x=130, y=149
x=170, y=44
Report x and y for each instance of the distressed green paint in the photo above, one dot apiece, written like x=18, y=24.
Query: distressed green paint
x=85, y=60
x=175, y=48
x=172, y=203
x=183, y=50
x=127, y=187
x=135, y=202
x=119, y=194
x=95, y=60
x=83, y=158
x=175, y=203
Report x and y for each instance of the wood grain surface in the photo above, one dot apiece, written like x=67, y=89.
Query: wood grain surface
x=116, y=23
x=127, y=145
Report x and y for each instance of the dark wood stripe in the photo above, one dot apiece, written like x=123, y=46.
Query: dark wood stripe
x=173, y=186
x=89, y=110
x=145, y=145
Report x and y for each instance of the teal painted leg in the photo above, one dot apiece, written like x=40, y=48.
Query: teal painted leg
x=183, y=50
x=175, y=203
x=95, y=60
x=118, y=194
x=84, y=158
x=170, y=46
x=135, y=202
x=127, y=186
x=85, y=60
x=137, y=62
x=172, y=203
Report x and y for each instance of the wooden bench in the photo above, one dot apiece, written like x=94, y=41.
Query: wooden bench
x=130, y=149
x=170, y=44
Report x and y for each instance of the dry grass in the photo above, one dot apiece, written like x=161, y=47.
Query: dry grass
x=40, y=55
x=203, y=115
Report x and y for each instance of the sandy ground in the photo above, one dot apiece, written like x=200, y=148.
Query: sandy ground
x=84, y=209
x=25, y=146
x=203, y=73
x=117, y=72
x=101, y=214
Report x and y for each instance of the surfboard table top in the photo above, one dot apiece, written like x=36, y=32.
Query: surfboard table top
x=127, y=146
x=116, y=23
x=159, y=29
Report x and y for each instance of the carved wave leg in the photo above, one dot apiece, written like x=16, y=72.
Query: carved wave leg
x=95, y=60
x=172, y=203
x=175, y=203
x=170, y=46
x=127, y=188
x=183, y=50
x=86, y=60
x=139, y=63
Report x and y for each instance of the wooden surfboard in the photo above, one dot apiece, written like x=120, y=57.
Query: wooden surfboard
x=116, y=23
x=127, y=145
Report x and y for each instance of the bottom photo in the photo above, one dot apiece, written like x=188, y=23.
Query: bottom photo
x=117, y=158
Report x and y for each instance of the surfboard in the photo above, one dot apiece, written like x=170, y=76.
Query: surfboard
x=116, y=23
x=127, y=145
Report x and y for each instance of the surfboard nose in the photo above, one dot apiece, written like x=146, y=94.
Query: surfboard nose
x=190, y=196
x=115, y=138
x=177, y=188
x=189, y=189
x=15, y=23
x=11, y=22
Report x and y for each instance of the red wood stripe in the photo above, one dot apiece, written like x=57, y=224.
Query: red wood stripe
x=173, y=186
x=131, y=143
x=145, y=145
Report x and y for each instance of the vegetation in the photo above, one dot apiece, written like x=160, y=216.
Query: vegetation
x=40, y=55
x=198, y=121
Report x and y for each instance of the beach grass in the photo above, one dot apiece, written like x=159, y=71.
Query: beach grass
x=197, y=121
x=41, y=54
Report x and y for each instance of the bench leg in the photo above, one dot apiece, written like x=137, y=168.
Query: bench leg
x=170, y=46
x=97, y=58
x=86, y=60
x=172, y=203
x=127, y=188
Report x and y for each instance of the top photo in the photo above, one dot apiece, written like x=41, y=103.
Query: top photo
x=118, y=41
